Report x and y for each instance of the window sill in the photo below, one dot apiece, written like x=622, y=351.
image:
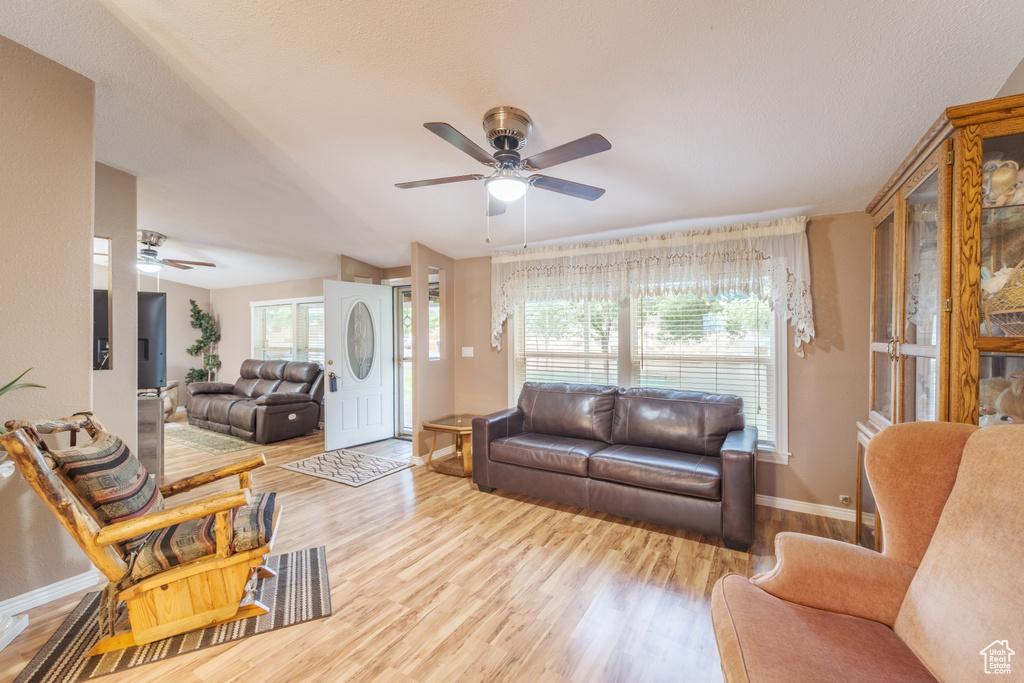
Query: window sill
x=773, y=457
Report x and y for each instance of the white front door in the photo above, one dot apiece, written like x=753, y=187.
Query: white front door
x=359, y=399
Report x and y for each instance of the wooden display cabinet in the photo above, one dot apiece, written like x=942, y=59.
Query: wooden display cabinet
x=947, y=294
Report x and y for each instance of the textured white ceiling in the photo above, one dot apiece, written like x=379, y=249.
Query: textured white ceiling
x=280, y=128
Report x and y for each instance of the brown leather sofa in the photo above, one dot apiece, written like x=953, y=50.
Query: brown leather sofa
x=271, y=401
x=678, y=458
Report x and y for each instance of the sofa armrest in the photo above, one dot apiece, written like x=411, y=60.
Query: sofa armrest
x=836, y=576
x=486, y=429
x=739, y=474
x=282, y=398
x=209, y=388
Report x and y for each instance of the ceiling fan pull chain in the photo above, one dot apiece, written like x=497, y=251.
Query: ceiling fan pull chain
x=487, y=214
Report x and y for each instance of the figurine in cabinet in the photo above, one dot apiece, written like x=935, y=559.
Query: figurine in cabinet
x=999, y=180
x=1011, y=401
x=989, y=391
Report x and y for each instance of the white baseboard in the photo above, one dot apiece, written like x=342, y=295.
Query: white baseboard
x=41, y=596
x=439, y=453
x=845, y=514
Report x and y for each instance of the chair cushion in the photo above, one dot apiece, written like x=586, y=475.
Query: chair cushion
x=687, y=421
x=108, y=477
x=581, y=411
x=763, y=638
x=165, y=548
x=660, y=470
x=546, y=452
x=967, y=592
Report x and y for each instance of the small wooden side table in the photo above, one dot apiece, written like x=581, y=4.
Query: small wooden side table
x=461, y=425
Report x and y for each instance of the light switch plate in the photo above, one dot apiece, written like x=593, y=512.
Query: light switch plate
x=467, y=351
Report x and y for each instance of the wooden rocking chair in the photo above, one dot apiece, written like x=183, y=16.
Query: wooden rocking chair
x=216, y=587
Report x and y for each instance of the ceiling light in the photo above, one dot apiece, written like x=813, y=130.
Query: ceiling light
x=506, y=185
x=150, y=267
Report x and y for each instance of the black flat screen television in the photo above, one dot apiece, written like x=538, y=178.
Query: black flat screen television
x=152, y=349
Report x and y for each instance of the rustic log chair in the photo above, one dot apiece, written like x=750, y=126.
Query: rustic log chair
x=207, y=585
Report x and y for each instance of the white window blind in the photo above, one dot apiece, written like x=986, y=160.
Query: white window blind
x=566, y=341
x=722, y=345
x=288, y=330
x=273, y=332
x=310, y=332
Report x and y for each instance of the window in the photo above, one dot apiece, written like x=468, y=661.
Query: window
x=567, y=341
x=722, y=345
x=288, y=330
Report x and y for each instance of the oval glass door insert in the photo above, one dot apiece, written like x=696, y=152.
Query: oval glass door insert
x=360, y=340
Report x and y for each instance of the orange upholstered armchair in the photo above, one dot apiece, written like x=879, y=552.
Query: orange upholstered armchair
x=946, y=589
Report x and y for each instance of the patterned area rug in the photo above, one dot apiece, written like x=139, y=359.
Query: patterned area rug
x=348, y=467
x=205, y=440
x=300, y=592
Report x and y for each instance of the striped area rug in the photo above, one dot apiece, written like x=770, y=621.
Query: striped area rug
x=300, y=592
x=348, y=467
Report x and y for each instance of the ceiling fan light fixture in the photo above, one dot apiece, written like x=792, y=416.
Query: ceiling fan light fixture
x=506, y=185
x=150, y=267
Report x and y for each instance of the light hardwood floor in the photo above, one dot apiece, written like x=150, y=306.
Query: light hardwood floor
x=432, y=580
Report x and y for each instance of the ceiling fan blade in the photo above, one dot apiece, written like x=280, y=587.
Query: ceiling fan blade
x=495, y=207
x=577, y=149
x=449, y=134
x=182, y=266
x=588, y=192
x=439, y=181
x=179, y=262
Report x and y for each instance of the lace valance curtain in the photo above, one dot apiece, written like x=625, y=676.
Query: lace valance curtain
x=738, y=259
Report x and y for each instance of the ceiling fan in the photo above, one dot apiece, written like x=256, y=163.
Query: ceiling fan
x=149, y=262
x=508, y=130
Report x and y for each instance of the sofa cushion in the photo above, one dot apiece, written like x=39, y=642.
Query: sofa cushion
x=250, y=369
x=273, y=369
x=660, y=470
x=112, y=480
x=546, y=452
x=763, y=638
x=219, y=406
x=246, y=386
x=686, y=421
x=302, y=372
x=581, y=411
x=242, y=415
x=264, y=386
x=287, y=387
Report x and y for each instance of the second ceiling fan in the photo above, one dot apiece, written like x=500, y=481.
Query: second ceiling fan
x=508, y=130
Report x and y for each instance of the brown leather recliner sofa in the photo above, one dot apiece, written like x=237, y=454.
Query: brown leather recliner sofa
x=678, y=458
x=271, y=401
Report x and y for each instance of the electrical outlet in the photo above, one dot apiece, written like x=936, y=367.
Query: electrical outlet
x=845, y=500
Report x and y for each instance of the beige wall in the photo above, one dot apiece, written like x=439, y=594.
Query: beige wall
x=1014, y=84
x=827, y=389
x=180, y=333
x=481, y=381
x=114, y=390
x=349, y=269
x=231, y=306
x=46, y=214
x=433, y=381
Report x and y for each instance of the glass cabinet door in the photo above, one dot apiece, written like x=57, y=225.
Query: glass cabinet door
x=1002, y=237
x=922, y=295
x=883, y=318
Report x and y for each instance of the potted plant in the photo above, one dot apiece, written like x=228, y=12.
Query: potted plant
x=209, y=335
x=11, y=386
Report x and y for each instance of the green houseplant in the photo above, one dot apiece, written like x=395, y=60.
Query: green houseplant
x=205, y=346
